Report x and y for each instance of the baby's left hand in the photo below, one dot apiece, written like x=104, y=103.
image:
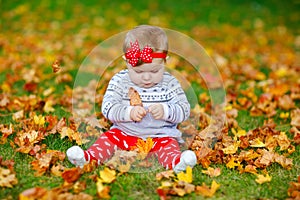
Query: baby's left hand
x=157, y=111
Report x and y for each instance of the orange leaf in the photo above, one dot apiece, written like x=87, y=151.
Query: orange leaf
x=204, y=190
x=212, y=172
x=71, y=175
x=102, y=191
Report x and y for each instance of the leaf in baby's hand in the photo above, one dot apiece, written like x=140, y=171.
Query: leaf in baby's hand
x=187, y=176
x=135, y=99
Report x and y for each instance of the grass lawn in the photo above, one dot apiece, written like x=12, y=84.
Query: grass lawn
x=255, y=45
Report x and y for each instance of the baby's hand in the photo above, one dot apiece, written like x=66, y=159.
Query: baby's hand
x=157, y=111
x=137, y=113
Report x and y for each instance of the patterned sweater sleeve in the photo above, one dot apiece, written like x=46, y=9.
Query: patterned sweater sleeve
x=178, y=107
x=112, y=107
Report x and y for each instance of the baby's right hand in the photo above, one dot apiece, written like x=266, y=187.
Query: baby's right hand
x=138, y=113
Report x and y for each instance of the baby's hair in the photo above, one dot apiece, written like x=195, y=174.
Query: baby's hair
x=152, y=36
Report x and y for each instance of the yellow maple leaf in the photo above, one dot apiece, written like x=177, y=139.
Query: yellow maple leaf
x=102, y=190
x=204, y=190
x=39, y=120
x=187, y=176
x=107, y=175
x=263, y=179
x=144, y=147
x=257, y=143
x=239, y=133
x=231, y=149
x=232, y=164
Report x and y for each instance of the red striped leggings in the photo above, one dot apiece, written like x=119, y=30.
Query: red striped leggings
x=166, y=149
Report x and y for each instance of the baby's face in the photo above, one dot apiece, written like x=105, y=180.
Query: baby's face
x=147, y=75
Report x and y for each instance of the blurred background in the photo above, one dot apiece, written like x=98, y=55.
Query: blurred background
x=55, y=26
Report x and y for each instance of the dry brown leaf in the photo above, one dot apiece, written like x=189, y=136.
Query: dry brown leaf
x=135, y=99
x=212, y=172
x=71, y=175
x=7, y=178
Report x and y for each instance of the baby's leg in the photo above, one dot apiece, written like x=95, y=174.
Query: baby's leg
x=102, y=150
x=169, y=154
x=167, y=151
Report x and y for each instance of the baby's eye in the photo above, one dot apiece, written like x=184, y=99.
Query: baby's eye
x=138, y=72
x=155, y=71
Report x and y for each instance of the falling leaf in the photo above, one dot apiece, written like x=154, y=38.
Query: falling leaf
x=186, y=176
x=205, y=191
x=263, y=179
x=107, y=175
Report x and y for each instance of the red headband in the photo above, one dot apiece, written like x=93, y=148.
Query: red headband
x=134, y=54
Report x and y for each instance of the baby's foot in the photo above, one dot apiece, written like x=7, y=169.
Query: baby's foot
x=76, y=156
x=187, y=158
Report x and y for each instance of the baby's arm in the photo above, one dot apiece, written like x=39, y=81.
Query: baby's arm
x=177, y=109
x=112, y=107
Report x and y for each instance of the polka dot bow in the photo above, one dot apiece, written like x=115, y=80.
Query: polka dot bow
x=134, y=55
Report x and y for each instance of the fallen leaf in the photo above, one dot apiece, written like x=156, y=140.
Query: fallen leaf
x=165, y=174
x=206, y=191
x=102, y=190
x=33, y=193
x=263, y=179
x=71, y=175
x=212, y=172
x=186, y=176
x=7, y=178
x=107, y=175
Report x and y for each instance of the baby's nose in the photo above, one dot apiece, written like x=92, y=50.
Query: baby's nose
x=146, y=76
